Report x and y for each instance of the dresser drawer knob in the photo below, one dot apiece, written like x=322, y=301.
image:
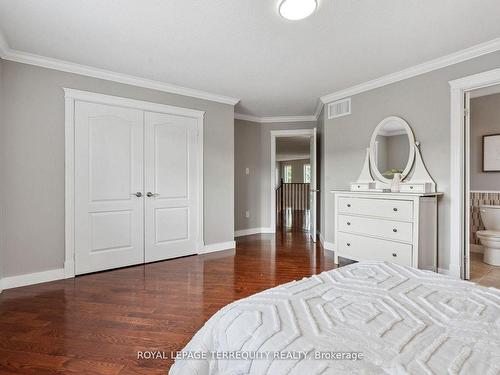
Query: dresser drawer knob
x=348, y=244
x=411, y=187
x=395, y=209
x=394, y=255
x=348, y=205
x=394, y=230
x=348, y=223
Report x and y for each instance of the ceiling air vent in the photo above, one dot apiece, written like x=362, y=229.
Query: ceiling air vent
x=339, y=108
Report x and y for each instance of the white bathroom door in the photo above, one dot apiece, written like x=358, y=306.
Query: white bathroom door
x=313, y=188
x=171, y=170
x=467, y=239
x=109, y=176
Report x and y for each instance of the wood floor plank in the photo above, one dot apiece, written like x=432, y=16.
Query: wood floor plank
x=96, y=324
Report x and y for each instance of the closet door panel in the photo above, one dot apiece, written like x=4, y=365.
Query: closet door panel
x=171, y=170
x=109, y=218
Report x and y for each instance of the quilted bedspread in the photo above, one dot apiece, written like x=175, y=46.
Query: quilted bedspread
x=366, y=318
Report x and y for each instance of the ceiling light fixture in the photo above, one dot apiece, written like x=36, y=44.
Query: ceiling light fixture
x=294, y=10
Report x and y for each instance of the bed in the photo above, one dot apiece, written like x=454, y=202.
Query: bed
x=365, y=318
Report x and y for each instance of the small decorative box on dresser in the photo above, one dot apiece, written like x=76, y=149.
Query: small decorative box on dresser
x=395, y=227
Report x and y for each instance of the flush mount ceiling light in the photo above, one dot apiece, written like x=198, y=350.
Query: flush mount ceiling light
x=297, y=9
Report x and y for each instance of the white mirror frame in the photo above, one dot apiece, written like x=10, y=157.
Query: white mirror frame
x=411, y=149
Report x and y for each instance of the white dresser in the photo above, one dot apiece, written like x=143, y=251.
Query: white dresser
x=395, y=227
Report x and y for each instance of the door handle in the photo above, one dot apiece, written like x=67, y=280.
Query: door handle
x=149, y=194
x=138, y=194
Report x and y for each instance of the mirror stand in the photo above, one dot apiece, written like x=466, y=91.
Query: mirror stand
x=365, y=181
x=419, y=180
x=415, y=177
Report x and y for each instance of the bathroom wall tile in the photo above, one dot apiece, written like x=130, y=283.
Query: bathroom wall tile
x=478, y=198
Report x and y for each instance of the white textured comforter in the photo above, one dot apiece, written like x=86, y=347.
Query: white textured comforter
x=403, y=321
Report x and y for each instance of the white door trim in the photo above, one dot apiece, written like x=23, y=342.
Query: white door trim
x=72, y=95
x=275, y=134
x=458, y=88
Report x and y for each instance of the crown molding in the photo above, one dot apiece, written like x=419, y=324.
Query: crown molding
x=241, y=116
x=10, y=54
x=274, y=119
x=319, y=108
x=429, y=66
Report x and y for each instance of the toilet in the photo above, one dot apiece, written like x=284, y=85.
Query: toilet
x=490, y=238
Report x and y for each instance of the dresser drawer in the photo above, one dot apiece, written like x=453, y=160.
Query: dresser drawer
x=358, y=247
x=362, y=186
x=392, y=230
x=423, y=187
x=386, y=208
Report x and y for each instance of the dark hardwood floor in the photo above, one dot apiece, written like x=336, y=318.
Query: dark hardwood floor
x=96, y=324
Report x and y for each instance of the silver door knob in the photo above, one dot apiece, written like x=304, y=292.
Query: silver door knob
x=138, y=194
x=149, y=194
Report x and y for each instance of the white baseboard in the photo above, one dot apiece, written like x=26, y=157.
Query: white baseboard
x=32, y=278
x=454, y=270
x=69, y=269
x=248, y=232
x=321, y=238
x=218, y=247
x=476, y=248
x=331, y=246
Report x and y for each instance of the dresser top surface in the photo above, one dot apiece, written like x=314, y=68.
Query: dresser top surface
x=386, y=193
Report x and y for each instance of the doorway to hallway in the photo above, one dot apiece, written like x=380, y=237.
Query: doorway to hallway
x=293, y=160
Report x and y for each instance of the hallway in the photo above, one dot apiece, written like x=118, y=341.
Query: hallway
x=293, y=220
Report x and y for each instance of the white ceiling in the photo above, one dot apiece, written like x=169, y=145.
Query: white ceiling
x=243, y=48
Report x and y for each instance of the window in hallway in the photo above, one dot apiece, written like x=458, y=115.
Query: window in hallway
x=307, y=173
x=287, y=174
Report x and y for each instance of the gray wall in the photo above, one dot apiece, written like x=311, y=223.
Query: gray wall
x=424, y=101
x=33, y=171
x=485, y=119
x=292, y=146
x=247, y=187
x=252, y=192
x=297, y=169
x=2, y=157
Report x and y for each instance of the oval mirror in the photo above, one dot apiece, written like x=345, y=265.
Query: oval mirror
x=392, y=149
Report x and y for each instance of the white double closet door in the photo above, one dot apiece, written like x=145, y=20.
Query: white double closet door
x=136, y=186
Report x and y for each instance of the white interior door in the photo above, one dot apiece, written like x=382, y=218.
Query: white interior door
x=313, y=188
x=171, y=213
x=467, y=187
x=109, y=227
